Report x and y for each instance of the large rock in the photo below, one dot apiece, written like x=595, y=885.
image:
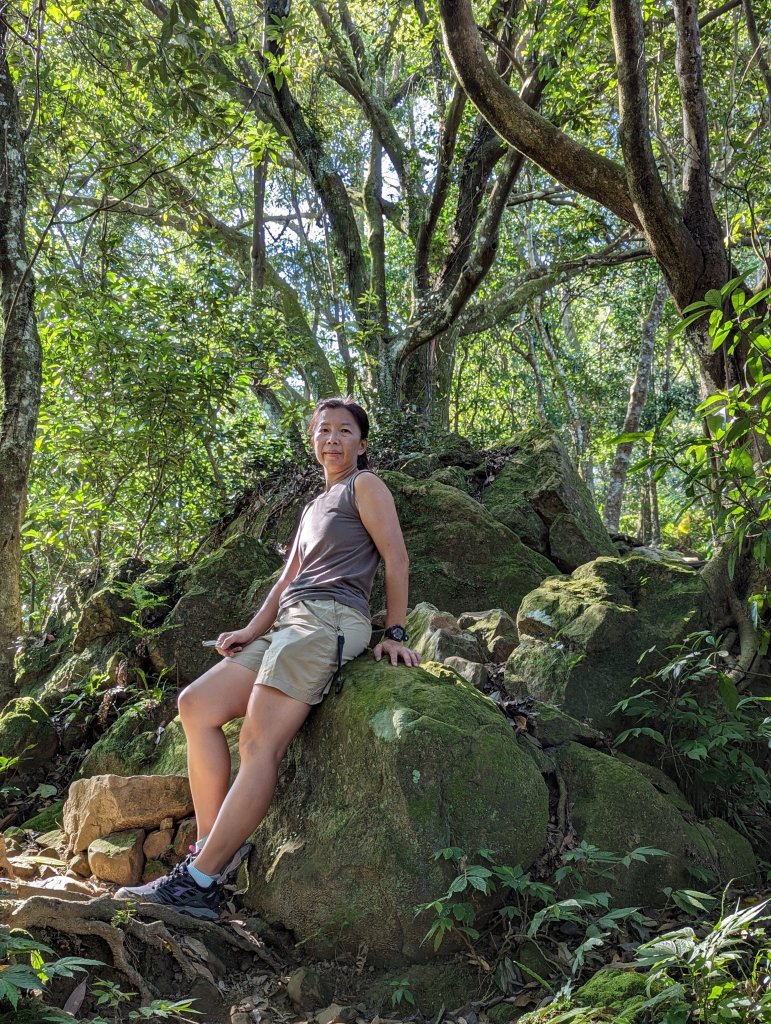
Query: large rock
x=128, y=745
x=540, y=496
x=220, y=592
x=460, y=556
x=616, y=807
x=27, y=732
x=104, y=804
x=398, y=766
x=582, y=635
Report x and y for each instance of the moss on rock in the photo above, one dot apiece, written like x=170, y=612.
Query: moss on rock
x=47, y=820
x=128, y=745
x=622, y=991
x=399, y=765
x=540, y=496
x=616, y=808
x=461, y=557
x=27, y=732
x=220, y=592
x=583, y=635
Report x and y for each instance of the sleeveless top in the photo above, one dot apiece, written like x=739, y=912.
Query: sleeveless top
x=338, y=558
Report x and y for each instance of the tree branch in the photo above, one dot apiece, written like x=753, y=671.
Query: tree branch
x=571, y=163
x=670, y=242
x=327, y=182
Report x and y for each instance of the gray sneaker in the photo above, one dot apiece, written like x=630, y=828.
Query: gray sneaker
x=138, y=892
x=180, y=891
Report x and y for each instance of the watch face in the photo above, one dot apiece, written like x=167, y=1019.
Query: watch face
x=396, y=633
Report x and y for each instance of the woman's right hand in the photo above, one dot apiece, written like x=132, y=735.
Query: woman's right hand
x=231, y=643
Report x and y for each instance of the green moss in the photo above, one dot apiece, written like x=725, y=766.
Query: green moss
x=395, y=768
x=433, y=986
x=540, y=496
x=599, y=623
x=115, y=843
x=461, y=557
x=219, y=592
x=622, y=991
x=47, y=820
x=27, y=732
x=127, y=746
x=616, y=807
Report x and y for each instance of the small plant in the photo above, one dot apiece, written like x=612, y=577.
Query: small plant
x=535, y=906
x=401, y=992
x=724, y=976
x=705, y=730
x=23, y=967
x=111, y=995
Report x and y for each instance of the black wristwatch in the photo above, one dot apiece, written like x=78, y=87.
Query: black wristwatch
x=397, y=633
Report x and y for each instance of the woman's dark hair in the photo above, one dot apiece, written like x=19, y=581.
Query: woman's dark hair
x=362, y=420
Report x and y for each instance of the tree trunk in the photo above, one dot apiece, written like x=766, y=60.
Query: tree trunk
x=638, y=393
x=21, y=364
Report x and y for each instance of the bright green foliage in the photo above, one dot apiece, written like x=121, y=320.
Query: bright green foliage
x=537, y=906
x=721, y=977
x=706, y=732
x=23, y=967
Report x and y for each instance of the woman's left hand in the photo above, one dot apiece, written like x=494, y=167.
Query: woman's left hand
x=394, y=651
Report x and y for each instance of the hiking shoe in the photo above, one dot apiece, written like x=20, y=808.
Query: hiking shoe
x=180, y=891
x=137, y=892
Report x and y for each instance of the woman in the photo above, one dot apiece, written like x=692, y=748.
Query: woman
x=284, y=661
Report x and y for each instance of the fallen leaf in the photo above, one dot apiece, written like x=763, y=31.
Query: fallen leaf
x=76, y=997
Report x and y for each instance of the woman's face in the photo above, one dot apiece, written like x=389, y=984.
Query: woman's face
x=337, y=441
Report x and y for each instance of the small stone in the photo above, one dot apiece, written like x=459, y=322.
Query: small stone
x=158, y=844
x=186, y=833
x=13, y=847
x=23, y=868
x=79, y=865
x=46, y=871
x=118, y=857
x=471, y=671
x=334, y=1013
x=303, y=988
x=166, y=823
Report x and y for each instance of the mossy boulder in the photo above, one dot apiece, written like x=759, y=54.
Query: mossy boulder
x=461, y=557
x=582, y=636
x=540, y=496
x=398, y=766
x=219, y=592
x=128, y=745
x=615, y=807
x=105, y=611
x=27, y=732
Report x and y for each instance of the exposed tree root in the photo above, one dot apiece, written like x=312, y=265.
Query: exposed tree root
x=94, y=918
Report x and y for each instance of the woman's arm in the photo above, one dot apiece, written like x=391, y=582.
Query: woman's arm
x=378, y=514
x=231, y=643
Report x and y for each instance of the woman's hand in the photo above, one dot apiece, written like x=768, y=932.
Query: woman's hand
x=394, y=651
x=231, y=643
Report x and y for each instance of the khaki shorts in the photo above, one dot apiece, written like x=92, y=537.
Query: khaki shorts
x=298, y=655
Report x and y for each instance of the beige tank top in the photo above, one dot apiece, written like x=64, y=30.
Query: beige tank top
x=338, y=558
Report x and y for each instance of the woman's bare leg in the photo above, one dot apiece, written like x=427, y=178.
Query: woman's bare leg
x=217, y=697
x=272, y=720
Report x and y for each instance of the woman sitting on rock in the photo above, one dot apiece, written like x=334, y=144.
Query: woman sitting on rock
x=314, y=620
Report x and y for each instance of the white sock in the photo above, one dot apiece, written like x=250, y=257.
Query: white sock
x=199, y=843
x=198, y=876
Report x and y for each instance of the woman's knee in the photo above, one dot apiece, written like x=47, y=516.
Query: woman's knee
x=255, y=743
